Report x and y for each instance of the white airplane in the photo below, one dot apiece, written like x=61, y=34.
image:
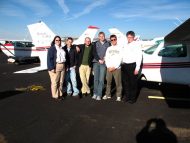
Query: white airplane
x=165, y=59
x=121, y=39
x=42, y=37
x=145, y=44
x=169, y=60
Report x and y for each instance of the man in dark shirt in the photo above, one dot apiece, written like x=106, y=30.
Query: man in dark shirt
x=85, y=64
x=71, y=62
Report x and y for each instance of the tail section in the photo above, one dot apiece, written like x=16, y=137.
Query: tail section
x=41, y=35
x=121, y=38
x=89, y=32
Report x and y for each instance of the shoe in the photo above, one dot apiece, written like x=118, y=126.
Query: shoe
x=118, y=99
x=98, y=98
x=88, y=94
x=132, y=101
x=106, y=97
x=124, y=99
x=69, y=94
x=94, y=97
x=83, y=94
x=60, y=98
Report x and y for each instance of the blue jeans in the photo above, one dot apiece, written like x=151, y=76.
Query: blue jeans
x=99, y=77
x=71, y=82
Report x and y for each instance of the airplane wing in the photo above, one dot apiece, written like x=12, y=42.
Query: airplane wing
x=42, y=67
x=179, y=35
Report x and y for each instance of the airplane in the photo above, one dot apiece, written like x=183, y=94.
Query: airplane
x=121, y=39
x=42, y=37
x=168, y=61
x=165, y=59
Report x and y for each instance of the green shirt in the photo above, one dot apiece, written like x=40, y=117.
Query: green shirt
x=86, y=55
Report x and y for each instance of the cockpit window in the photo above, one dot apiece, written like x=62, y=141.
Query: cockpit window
x=23, y=44
x=179, y=50
x=151, y=49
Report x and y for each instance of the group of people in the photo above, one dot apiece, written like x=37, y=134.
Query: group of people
x=106, y=59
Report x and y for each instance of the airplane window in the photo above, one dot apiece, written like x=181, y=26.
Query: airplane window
x=19, y=44
x=151, y=49
x=29, y=44
x=179, y=50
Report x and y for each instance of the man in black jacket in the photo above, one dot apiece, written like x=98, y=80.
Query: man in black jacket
x=71, y=63
x=85, y=58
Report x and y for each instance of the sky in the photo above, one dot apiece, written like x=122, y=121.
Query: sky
x=147, y=18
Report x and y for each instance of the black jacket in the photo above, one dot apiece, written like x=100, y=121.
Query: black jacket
x=81, y=53
x=71, y=56
x=51, y=58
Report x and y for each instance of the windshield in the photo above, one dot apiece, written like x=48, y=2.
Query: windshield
x=151, y=49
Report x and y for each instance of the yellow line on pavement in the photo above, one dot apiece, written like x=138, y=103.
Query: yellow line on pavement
x=168, y=98
x=156, y=97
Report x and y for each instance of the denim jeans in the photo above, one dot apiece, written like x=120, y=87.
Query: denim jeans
x=99, y=77
x=71, y=81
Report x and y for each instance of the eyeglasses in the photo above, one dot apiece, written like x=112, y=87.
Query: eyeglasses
x=57, y=40
x=113, y=39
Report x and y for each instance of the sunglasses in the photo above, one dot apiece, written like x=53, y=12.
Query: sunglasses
x=130, y=37
x=113, y=39
x=57, y=40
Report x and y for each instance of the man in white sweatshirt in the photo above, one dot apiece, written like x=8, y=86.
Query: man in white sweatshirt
x=113, y=60
x=132, y=58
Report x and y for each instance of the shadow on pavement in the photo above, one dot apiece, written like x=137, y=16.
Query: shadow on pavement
x=156, y=131
x=176, y=96
x=9, y=93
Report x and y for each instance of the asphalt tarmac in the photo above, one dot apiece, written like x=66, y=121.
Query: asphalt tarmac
x=160, y=115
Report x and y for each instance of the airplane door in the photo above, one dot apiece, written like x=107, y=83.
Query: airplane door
x=174, y=61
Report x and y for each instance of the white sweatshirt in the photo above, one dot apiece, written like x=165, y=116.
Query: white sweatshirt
x=113, y=56
x=132, y=53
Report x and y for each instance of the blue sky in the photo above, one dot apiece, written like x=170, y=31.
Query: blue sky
x=147, y=18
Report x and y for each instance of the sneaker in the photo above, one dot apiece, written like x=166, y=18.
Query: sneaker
x=98, y=98
x=69, y=94
x=118, y=99
x=94, y=97
x=106, y=97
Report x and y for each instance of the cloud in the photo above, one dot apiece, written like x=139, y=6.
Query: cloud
x=88, y=9
x=38, y=7
x=11, y=10
x=63, y=6
x=124, y=15
x=156, y=10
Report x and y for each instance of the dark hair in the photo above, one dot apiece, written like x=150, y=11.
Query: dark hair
x=130, y=33
x=101, y=33
x=53, y=42
x=70, y=38
x=113, y=36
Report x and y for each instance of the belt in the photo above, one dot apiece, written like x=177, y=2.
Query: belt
x=61, y=63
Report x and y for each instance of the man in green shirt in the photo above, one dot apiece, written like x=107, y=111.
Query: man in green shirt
x=85, y=64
